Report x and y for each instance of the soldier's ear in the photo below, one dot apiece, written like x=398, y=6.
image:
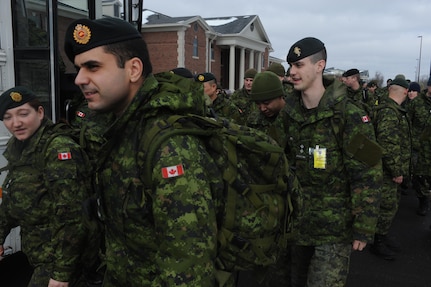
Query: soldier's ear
x=135, y=68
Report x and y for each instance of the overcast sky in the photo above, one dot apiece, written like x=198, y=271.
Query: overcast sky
x=373, y=35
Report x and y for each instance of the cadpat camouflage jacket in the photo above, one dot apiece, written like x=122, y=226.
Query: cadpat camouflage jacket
x=393, y=134
x=420, y=115
x=165, y=236
x=340, y=192
x=45, y=199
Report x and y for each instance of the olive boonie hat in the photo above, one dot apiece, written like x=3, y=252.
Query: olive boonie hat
x=266, y=86
x=14, y=98
x=400, y=82
x=205, y=77
x=85, y=34
x=277, y=69
x=250, y=73
x=304, y=48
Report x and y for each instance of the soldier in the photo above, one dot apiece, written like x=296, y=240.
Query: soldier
x=43, y=191
x=241, y=97
x=268, y=94
x=331, y=145
x=161, y=233
x=219, y=105
x=279, y=70
x=393, y=134
x=355, y=90
x=420, y=116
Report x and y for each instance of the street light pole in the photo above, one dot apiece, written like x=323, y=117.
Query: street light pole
x=419, y=64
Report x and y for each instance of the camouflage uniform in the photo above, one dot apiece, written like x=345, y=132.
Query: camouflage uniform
x=393, y=134
x=161, y=233
x=420, y=115
x=274, y=127
x=224, y=108
x=341, y=193
x=241, y=99
x=45, y=199
x=364, y=99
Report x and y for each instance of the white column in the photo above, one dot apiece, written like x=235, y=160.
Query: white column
x=241, y=66
x=181, y=48
x=232, y=68
x=259, y=61
x=251, y=59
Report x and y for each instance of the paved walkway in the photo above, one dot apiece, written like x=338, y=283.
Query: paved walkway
x=412, y=267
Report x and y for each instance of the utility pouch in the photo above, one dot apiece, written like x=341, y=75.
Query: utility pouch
x=364, y=149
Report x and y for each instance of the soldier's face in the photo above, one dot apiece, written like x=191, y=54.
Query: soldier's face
x=305, y=73
x=270, y=108
x=248, y=82
x=23, y=121
x=105, y=85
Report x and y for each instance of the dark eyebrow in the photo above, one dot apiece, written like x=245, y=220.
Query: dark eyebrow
x=89, y=64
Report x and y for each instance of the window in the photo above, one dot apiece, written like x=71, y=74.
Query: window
x=212, y=52
x=195, y=47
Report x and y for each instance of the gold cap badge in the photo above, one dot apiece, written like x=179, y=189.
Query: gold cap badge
x=297, y=51
x=16, y=97
x=201, y=78
x=81, y=34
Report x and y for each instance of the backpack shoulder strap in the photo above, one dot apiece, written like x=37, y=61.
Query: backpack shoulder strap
x=337, y=121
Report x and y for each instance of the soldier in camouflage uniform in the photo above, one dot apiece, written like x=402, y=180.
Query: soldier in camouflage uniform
x=336, y=159
x=159, y=233
x=43, y=191
x=351, y=79
x=393, y=134
x=267, y=93
x=241, y=97
x=219, y=106
x=420, y=116
x=279, y=70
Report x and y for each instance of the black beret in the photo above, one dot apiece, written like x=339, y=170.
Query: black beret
x=205, y=77
x=85, y=34
x=183, y=72
x=14, y=98
x=350, y=72
x=304, y=48
x=400, y=82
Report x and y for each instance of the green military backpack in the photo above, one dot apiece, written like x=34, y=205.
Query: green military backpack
x=261, y=196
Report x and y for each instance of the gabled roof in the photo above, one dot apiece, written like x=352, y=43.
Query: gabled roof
x=245, y=31
x=152, y=18
x=231, y=24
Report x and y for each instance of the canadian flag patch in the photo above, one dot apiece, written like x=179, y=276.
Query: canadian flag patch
x=80, y=114
x=64, y=155
x=172, y=171
x=365, y=119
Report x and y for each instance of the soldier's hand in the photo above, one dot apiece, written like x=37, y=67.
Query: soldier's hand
x=55, y=283
x=359, y=245
x=398, y=179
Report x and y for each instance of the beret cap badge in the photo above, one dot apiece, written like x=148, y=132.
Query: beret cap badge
x=81, y=34
x=297, y=51
x=201, y=78
x=16, y=97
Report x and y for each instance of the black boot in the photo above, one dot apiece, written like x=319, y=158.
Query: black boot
x=424, y=205
x=380, y=249
x=391, y=243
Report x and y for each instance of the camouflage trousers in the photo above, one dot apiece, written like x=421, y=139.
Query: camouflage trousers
x=320, y=266
x=389, y=203
x=421, y=185
x=41, y=277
